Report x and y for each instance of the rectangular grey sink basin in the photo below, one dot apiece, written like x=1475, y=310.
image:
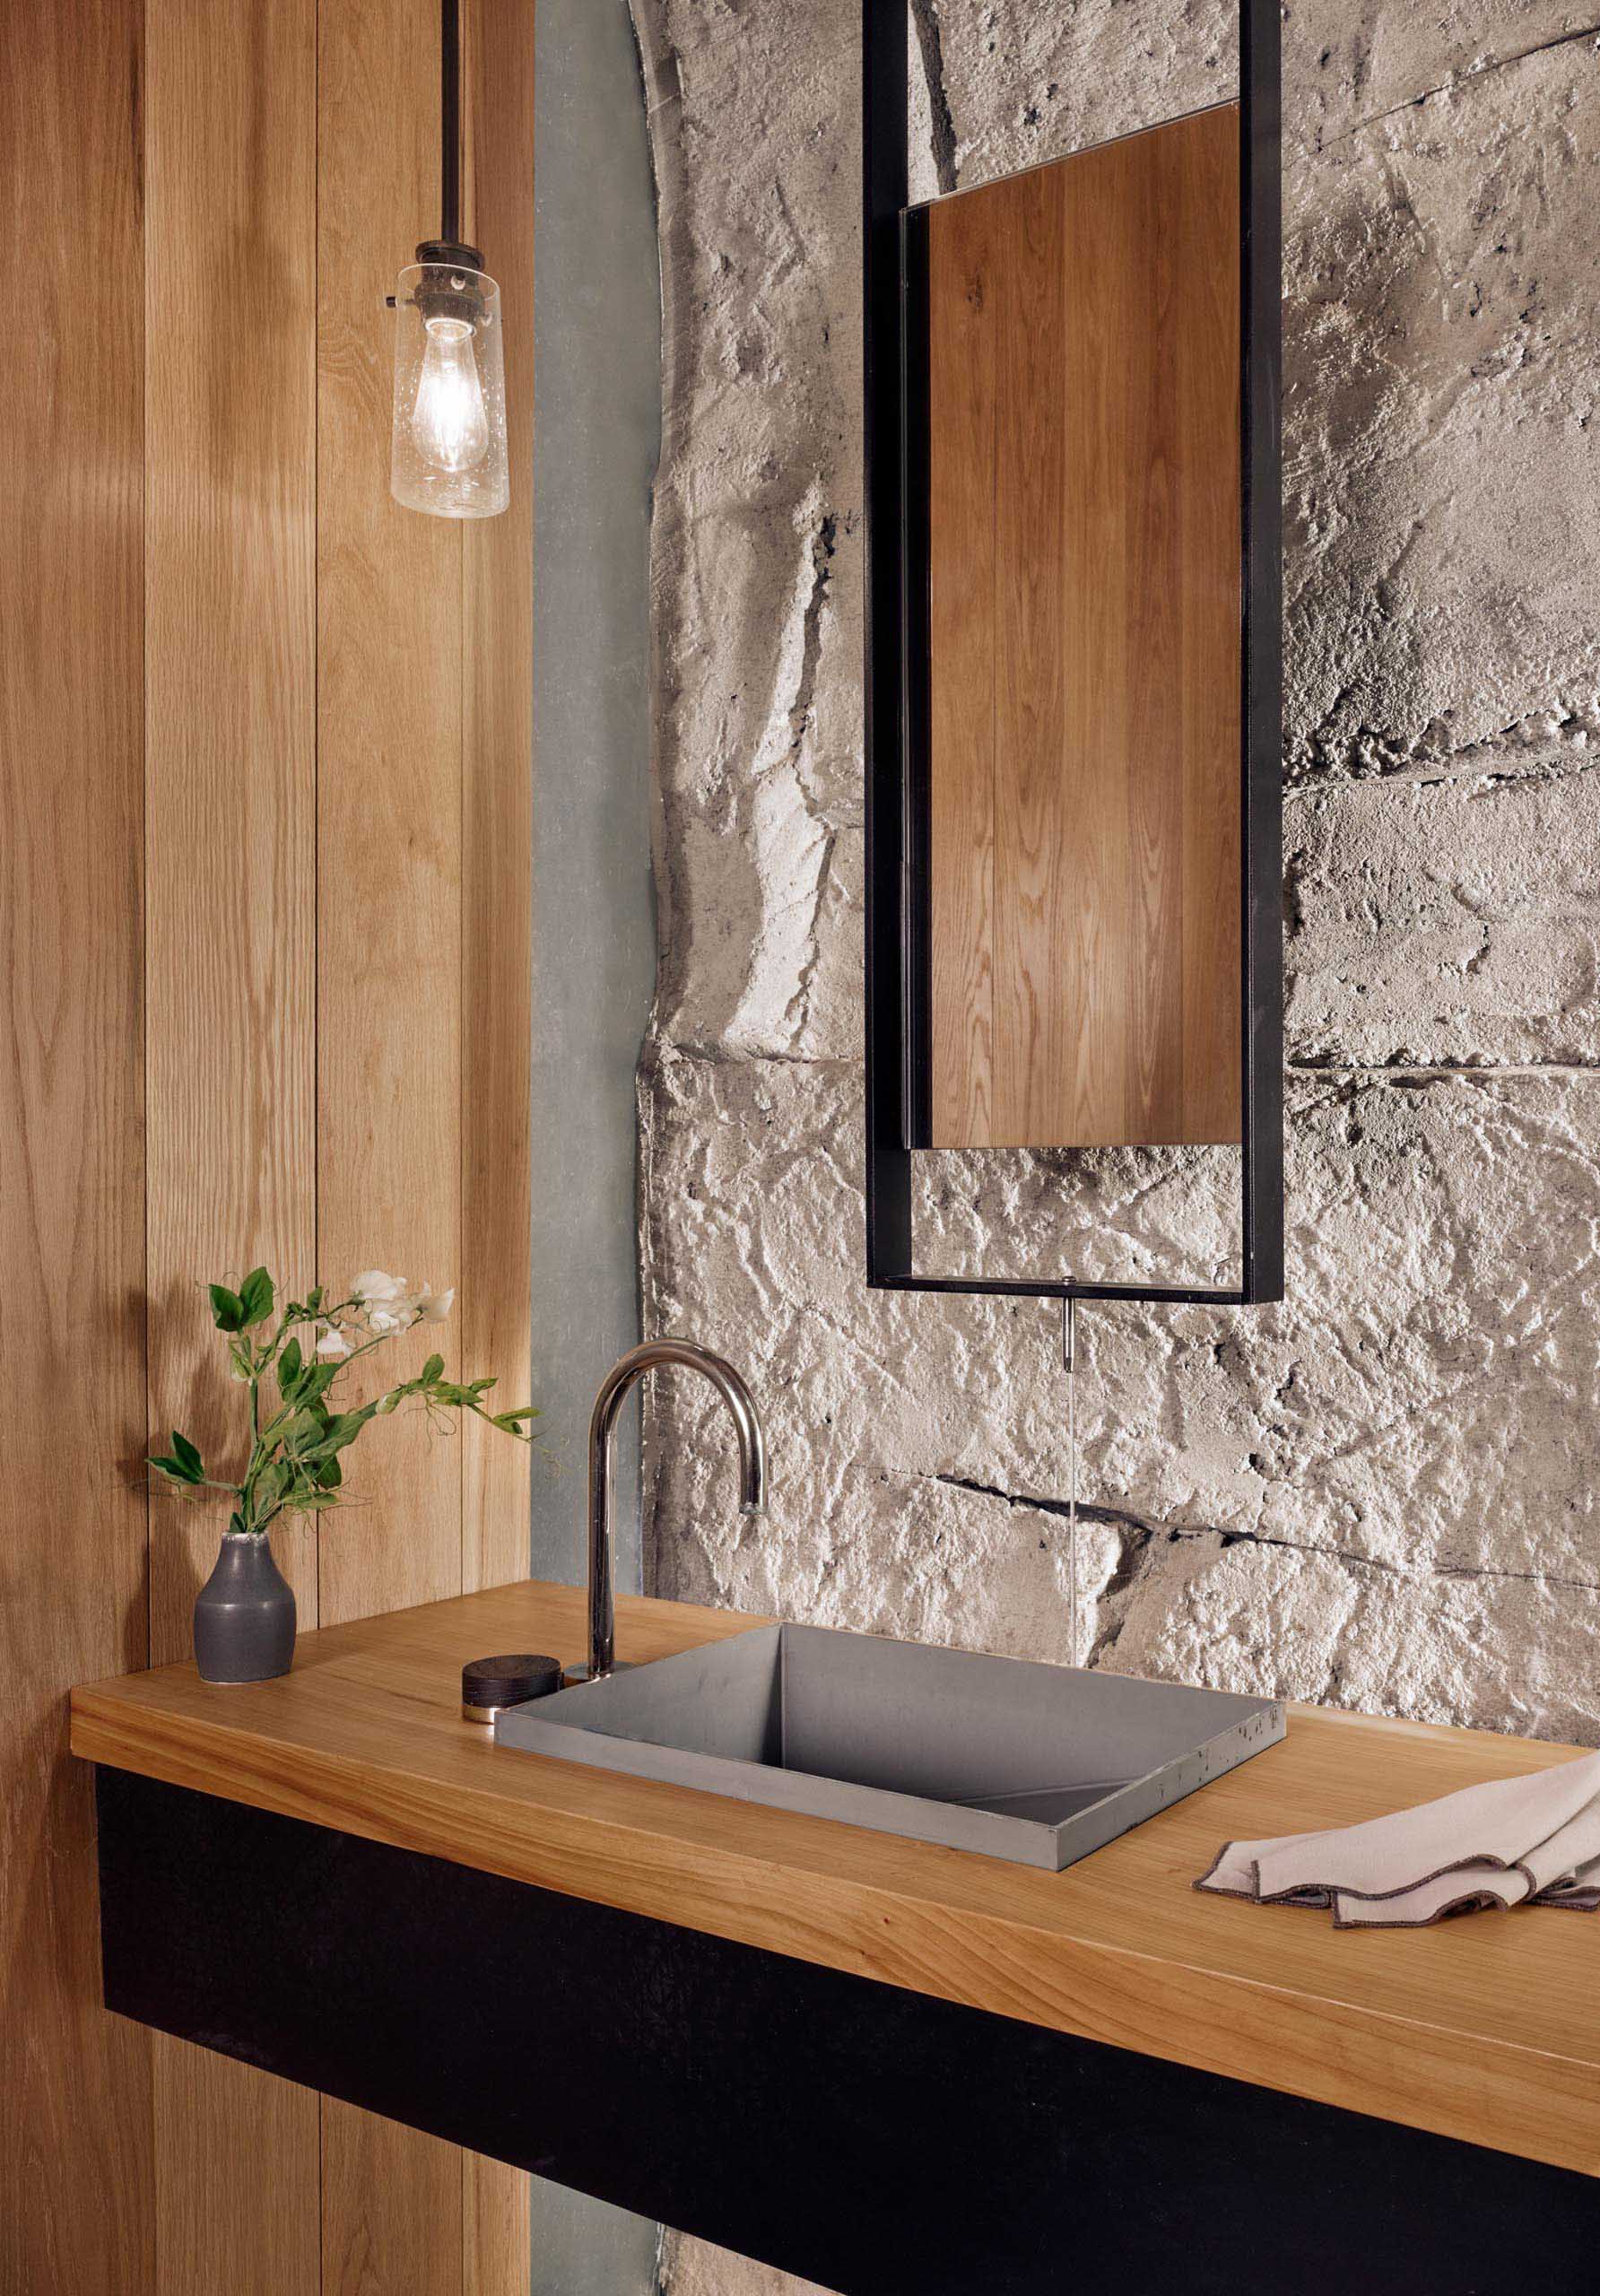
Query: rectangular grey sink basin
x=1036, y=1763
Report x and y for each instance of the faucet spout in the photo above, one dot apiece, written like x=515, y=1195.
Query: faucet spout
x=614, y=1390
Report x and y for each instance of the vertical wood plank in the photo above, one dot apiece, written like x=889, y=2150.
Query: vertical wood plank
x=75, y=2083
x=496, y=2228
x=391, y=2208
x=237, y=2179
x=389, y=713
x=498, y=823
x=230, y=639
x=497, y=816
x=231, y=767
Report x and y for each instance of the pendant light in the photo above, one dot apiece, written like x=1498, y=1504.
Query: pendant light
x=448, y=456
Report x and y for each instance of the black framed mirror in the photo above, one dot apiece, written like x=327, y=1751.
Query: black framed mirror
x=1073, y=791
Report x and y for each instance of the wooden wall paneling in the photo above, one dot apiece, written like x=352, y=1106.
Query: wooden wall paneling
x=497, y=937
x=74, y=2082
x=392, y=2202
x=398, y=965
x=231, y=641
x=389, y=717
x=498, y=821
x=388, y=955
x=1115, y=634
x=161, y=840
x=496, y=2228
x=238, y=2178
x=230, y=638
x=496, y=817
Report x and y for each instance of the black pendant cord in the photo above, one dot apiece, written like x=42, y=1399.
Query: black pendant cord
x=449, y=252
x=449, y=119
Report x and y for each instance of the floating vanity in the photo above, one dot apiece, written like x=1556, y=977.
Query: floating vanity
x=893, y=2067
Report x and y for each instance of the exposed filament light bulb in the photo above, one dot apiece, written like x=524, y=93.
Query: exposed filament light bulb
x=449, y=453
x=449, y=421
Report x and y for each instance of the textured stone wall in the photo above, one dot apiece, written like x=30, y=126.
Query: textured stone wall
x=1379, y=1494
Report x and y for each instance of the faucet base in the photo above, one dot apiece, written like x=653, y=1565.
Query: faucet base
x=572, y=1675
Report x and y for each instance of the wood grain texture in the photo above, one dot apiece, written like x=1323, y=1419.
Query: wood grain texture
x=497, y=2228
x=497, y=815
x=159, y=865
x=75, y=2083
x=1035, y=1040
x=229, y=868
x=237, y=2178
x=497, y=954
x=391, y=2208
x=423, y=942
x=230, y=756
x=1084, y=546
x=389, y=719
x=1486, y=2030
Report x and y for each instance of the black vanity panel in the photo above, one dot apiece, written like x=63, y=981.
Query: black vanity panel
x=871, y=2139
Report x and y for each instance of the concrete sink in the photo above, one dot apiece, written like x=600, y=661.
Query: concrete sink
x=1039, y=1764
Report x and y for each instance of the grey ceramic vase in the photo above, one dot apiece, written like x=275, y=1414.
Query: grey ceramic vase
x=244, y=1615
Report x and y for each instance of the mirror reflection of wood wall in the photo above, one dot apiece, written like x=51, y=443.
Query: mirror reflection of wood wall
x=1084, y=765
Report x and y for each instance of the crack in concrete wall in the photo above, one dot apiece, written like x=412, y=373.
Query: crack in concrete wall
x=1381, y=1494
x=1459, y=80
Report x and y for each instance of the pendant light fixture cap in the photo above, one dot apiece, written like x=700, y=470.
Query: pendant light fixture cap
x=449, y=254
x=449, y=288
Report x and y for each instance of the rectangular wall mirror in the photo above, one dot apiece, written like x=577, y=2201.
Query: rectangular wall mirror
x=1073, y=773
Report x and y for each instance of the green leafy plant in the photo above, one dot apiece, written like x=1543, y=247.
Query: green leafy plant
x=291, y=1360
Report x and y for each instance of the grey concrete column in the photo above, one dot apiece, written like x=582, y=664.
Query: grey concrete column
x=597, y=416
x=597, y=424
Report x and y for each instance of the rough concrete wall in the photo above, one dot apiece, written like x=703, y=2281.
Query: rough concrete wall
x=1379, y=1494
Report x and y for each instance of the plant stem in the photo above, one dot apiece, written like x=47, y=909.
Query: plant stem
x=246, y=1490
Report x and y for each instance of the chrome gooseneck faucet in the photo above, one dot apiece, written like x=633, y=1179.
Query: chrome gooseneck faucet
x=614, y=1393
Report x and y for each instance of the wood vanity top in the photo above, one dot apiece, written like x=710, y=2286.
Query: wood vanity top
x=1485, y=2029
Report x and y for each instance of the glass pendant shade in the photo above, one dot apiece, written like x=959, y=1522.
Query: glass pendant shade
x=448, y=456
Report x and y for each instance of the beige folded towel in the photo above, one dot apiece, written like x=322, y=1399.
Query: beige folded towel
x=1535, y=1839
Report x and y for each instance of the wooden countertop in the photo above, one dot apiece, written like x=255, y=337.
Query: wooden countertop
x=1486, y=2029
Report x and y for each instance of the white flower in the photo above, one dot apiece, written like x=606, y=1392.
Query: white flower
x=433, y=1307
x=393, y=1316
x=373, y=1284
x=332, y=1342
